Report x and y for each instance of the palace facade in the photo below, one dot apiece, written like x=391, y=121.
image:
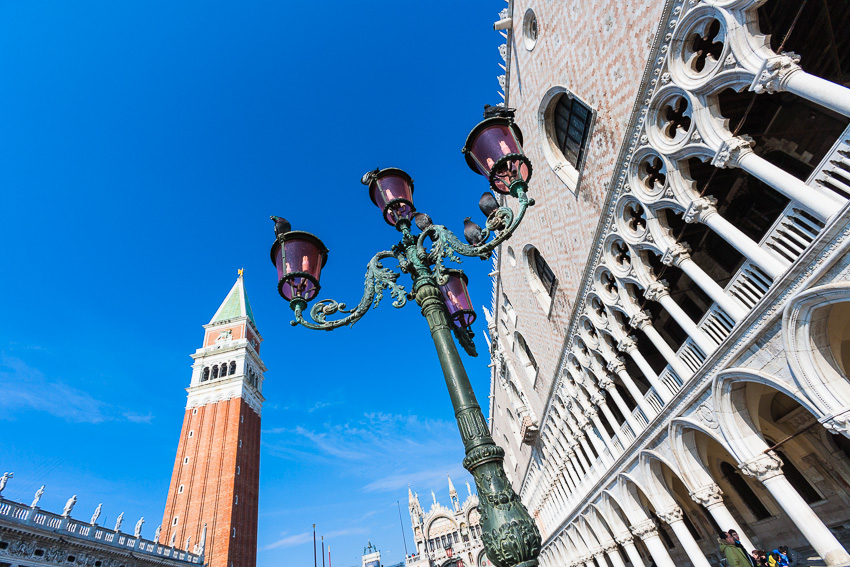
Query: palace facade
x=670, y=328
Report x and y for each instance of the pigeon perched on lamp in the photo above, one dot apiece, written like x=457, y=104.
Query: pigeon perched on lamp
x=472, y=232
x=422, y=220
x=281, y=225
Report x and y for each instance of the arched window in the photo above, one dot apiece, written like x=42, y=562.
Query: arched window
x=206, y=375
x=542, y=270
x=745, y=493
x=223, y=369
x=233, y=367
x=214, y=372
x=565, y=125
x=526, y=356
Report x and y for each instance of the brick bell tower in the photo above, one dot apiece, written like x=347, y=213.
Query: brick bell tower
x=215, y=484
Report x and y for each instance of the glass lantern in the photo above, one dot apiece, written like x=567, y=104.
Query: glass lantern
x=456, y=298
x=494, y=149
x=391, y=189
x=299, y=258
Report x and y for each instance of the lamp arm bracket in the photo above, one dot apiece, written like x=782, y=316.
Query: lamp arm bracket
x=501, y=223
x=377, y=280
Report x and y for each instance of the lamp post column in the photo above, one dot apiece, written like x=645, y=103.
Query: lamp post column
x=510, y=537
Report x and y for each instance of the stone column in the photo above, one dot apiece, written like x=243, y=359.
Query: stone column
x=673, y=517
x=592, y=413
x=647, y=531
x=659, y=291
x=703, y=210
x=582, y=458
x=678, y=255
x=587, y=426
x=628, y=544
x=610, y=549
x=767, y=468
x=782, y=72
x=608, y=385
x=641, y=320
x=711, y=497
x=737, y=152
x=619, y=367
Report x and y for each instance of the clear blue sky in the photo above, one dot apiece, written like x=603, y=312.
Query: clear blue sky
x=143, y=146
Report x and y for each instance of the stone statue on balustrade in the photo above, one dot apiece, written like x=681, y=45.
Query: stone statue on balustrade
x=96, y=514
x=69, y=505
x=119, y=521
x=4, y=479
x=138, y=531
x=156, y=533
x=38, y=494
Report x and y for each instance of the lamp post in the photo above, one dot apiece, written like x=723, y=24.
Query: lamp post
x=493, y=149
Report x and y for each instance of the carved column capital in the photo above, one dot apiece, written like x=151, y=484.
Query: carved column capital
x=700, y=209
x=598, y=400
x=676, y=254
x=617, y=364
x=585, y=423
x=732, y=150
x=763, y=467
x=671, y=515
x=775, y=72
x=656, y=290
x=708, y=496
x=590, y=413
x=839, y=424
x=639, y=320
x=606, y=383
x=645, y=529
x=610, y=547
x=624, y=539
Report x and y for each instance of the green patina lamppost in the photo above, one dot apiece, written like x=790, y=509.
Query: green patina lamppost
x=493, y=149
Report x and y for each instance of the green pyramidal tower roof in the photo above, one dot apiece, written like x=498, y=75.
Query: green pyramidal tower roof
x=235, y=305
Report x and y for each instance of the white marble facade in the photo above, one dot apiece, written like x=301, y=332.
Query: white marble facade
x=702, y=382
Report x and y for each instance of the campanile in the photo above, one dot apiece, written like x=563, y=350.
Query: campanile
x=216, y=475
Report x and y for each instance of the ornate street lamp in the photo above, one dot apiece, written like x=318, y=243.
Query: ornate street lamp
x=493, y=149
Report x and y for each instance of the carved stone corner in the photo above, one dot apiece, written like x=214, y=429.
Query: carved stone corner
x=529, y=430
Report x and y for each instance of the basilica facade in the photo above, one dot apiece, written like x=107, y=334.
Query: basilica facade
x=446, y=536
x=670, y=327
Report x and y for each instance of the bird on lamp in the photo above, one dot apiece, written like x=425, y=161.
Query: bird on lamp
x=488, y=203
x=472, y=232
x=422, y=220
x=281, y=225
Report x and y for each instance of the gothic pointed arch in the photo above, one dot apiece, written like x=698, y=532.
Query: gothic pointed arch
x=806, y=339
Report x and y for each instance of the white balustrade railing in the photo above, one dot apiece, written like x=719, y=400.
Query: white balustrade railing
x=654, y=400
x=22, y=515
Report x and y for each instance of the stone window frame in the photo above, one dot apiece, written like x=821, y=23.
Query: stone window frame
x=543, y=296
x=568, y=173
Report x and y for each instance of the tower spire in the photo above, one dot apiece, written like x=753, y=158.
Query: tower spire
x=453, y=494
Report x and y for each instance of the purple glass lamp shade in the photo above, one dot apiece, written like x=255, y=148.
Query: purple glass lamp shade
x=391, y=189
x=456, y=298
x=299, y=258
x=494, y=149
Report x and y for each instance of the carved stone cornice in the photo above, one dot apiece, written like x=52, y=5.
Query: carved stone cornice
x=708, y=496
x=762, y=467
x=775, y=71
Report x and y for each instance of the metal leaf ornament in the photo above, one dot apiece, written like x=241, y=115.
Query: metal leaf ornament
x=378, y=279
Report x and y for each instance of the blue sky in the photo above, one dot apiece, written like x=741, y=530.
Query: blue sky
x=143, y=146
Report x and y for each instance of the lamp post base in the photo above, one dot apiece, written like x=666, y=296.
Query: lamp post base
x=509, y=534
